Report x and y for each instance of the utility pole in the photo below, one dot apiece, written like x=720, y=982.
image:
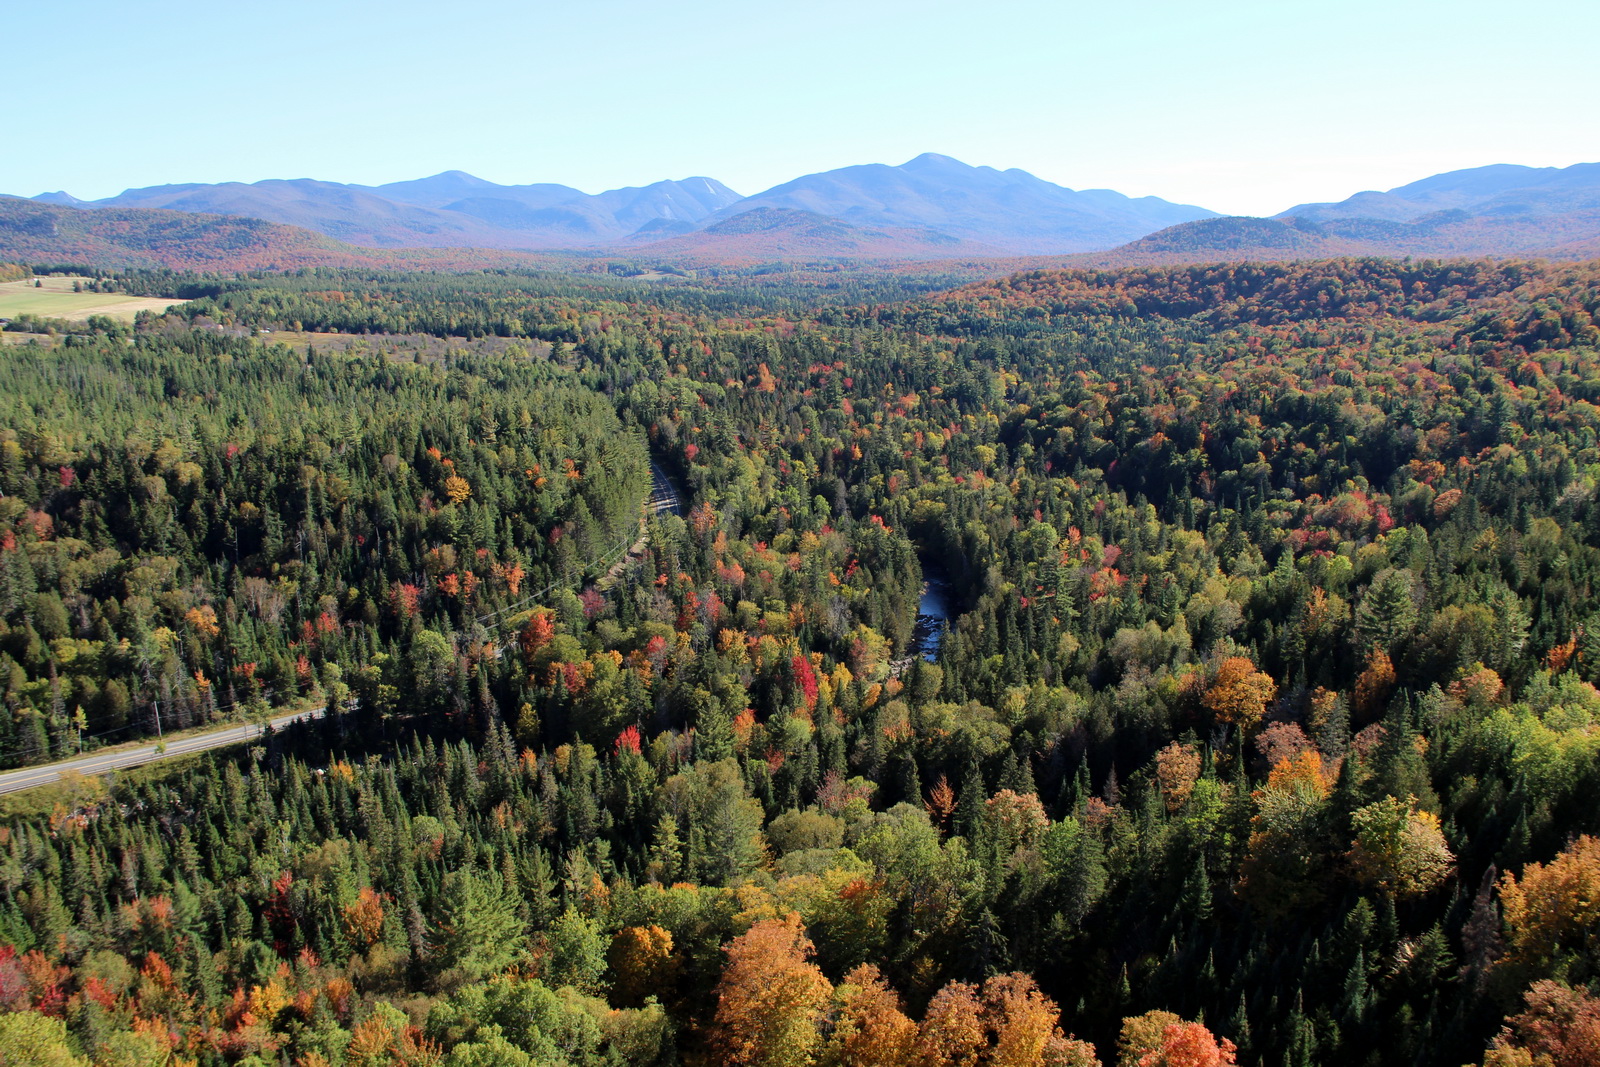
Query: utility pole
x=155, y=699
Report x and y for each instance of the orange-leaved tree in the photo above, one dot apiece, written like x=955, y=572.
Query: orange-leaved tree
x=1374, y=685
x=1558, y=1027
x=1284, y=868
x=1023, y=1022
x=1552, y=913
x=642, y=962
x=771, y=997
x=1011, y=1024
x=1177, y=769
x=869, y=1029
x=952, y=1031
x=1240, y=694
x=1162, y=1039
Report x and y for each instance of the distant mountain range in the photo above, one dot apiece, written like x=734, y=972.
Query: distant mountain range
x=1500, y=191
x=768, y=233
x=1011, y=210
x=449, y=210
x=50, y=234
x=1002, y=211
x=929, y=208
x=1500, y=210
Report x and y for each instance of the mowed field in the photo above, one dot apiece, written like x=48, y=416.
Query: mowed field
x=56, y=300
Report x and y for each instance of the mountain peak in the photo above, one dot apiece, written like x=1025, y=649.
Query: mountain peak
x=933, y=159
x=60, y=196
x=710, y=185
x=454, y=177
x=1012, y=210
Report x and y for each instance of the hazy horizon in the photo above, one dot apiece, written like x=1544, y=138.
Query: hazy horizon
x=1241, y=108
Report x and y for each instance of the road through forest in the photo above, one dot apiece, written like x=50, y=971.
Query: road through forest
x=663, y=497
x=102, y=762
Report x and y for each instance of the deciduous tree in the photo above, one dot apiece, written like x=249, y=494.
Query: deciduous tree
x=1240, y=693
x=771, y=997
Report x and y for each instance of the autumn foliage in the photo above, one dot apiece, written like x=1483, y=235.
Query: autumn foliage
x=1552, y=912
x=1240, y=693
x=1558, y=1027
x=1375, y=684
x=1177, y=768
x=771, y=997
x=772, y=1003
x=1162, y=1039
x=1268, y=690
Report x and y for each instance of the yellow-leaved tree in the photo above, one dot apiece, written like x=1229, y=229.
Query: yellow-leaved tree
x=1239, y=694
x=771, y=997
x=1552, y=913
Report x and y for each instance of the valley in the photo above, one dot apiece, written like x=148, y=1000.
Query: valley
x=1010, y=649
x=832, y=535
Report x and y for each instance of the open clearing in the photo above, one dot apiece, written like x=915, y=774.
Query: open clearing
x=56, y=300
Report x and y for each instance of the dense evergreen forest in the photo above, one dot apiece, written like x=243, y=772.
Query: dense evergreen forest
x=1267, y=731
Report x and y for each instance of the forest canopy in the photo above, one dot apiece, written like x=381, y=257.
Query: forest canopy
x=1263, y=729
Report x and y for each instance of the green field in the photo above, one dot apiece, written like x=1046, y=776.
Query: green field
x=55, y=299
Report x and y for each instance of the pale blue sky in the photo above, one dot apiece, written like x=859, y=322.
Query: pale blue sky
x=1237, y=105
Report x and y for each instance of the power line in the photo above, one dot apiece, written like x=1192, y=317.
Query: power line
x=266, y=694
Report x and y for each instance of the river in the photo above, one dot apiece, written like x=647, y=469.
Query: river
x=934, y=609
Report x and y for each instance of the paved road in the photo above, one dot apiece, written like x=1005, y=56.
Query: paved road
x=663, y=494
x=28, y=777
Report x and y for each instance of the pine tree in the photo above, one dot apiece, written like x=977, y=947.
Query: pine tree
x=969, y=803
x=713, y=731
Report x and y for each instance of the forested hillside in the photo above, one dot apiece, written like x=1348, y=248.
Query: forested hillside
x=195, y=524
x=1266, y=731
